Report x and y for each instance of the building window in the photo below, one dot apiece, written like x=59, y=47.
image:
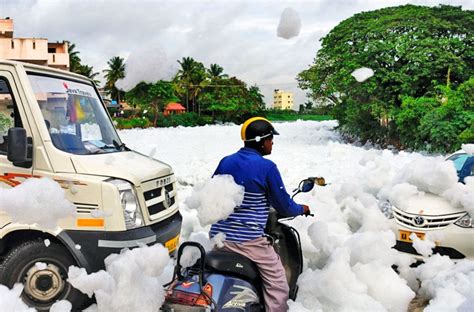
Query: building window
x=13, y=44
x=54, y=58
x=34, y=45
x=51, y=50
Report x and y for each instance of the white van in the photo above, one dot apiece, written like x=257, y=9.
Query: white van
x=53, y=124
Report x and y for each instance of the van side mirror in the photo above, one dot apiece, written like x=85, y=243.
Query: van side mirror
x=19, y=148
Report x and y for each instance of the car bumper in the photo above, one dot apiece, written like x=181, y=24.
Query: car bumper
x=453, y=241
x=90, y=248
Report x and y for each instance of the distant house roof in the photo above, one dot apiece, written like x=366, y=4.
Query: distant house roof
x=175, y=107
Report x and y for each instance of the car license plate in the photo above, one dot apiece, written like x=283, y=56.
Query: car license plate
x=405, y=235
x=172, y=243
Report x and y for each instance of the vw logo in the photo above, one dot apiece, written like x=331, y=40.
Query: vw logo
x=167, y=202
x=418, y=220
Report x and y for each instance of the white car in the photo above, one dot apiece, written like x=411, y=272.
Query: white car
x=433, y=214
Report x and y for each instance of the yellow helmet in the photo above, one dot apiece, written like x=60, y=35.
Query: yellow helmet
x=256, y=129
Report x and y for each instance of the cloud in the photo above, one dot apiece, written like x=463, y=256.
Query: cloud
x=238, y=35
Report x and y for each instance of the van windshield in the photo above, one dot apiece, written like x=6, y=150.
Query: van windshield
x=76, y=119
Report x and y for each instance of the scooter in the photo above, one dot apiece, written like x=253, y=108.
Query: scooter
x=226, y=281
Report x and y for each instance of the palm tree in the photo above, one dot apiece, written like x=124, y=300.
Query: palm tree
x=74, y=59
x=215, y=72
x=115, y=72
x=88, y=71
x=192, y=78
x=184, y=76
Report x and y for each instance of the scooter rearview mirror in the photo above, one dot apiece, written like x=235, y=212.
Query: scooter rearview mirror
x=306, y=185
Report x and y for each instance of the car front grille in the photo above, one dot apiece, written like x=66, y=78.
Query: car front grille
x=160, y=195
x=425, y=221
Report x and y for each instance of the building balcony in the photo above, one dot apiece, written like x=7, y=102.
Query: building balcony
x=27, y=49
x=58, y=60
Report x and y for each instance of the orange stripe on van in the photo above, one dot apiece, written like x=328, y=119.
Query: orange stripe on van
x=90, y=222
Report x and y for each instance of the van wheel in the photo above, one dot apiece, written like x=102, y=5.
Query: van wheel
x=43, y=272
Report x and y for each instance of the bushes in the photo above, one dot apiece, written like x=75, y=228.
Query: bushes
x=122, y=123
x=438, y=124
x=186, y=120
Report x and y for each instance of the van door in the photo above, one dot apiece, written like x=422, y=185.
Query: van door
x=10, y=116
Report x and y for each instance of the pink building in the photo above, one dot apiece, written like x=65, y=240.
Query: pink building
x=32, y=50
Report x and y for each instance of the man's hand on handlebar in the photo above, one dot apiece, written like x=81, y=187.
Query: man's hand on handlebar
x=306, y=211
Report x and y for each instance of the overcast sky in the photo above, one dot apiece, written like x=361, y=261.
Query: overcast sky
x=241, y=36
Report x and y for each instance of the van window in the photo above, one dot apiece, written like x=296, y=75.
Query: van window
x=74, y=116
x=7, y=119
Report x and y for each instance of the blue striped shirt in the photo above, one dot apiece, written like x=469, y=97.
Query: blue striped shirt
x=263, y=188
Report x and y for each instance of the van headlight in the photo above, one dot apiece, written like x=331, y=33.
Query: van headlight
x=386, y=208
x=465, y=221
x=131, y=209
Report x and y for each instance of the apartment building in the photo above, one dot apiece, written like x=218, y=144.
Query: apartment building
x=282, y=99
x=32, y=50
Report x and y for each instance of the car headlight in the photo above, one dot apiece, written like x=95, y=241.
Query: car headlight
x=131, y=209
x=386, y=208
x=465, y=221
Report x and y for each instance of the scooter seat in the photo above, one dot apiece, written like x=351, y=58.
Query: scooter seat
x=232, y=263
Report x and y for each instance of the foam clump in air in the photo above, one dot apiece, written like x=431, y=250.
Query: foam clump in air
x=289, y=25
x=215, y=199
x=148, y=64
x=362, y=74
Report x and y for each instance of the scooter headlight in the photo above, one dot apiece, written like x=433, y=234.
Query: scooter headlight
x=465, y=222
x=131, y=209
x=386, y=208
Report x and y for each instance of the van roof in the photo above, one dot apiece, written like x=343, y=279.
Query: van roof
x=34, y=67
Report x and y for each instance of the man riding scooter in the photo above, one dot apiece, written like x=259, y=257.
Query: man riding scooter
x=244, y=228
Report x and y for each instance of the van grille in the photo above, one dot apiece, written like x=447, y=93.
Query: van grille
x=425, y=221
x=86, y=208
x=160, y=198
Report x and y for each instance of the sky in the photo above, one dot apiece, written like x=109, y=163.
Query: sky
x=242, y=36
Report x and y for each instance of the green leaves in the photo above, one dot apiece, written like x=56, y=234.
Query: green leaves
x=412, y=50
x=440, y=123
x=115, y=72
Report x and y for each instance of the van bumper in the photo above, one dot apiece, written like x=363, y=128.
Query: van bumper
x=90, y=248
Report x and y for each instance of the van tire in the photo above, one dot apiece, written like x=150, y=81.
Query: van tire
x=43, y=285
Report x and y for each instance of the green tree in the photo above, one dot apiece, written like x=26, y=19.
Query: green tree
x=412, y=49
x=190, y=80
x=89, y=72
x=184, y=78
x=160, y=93
x=74, y=59
x=115, y=72
x=216, y=72
x=152, y=96
x=231, y=100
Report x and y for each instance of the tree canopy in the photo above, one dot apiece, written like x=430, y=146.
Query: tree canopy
x=412, y=50
x=115, y=72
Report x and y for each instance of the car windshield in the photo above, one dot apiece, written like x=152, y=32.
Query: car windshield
x=464, y=165
x=75, y=118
